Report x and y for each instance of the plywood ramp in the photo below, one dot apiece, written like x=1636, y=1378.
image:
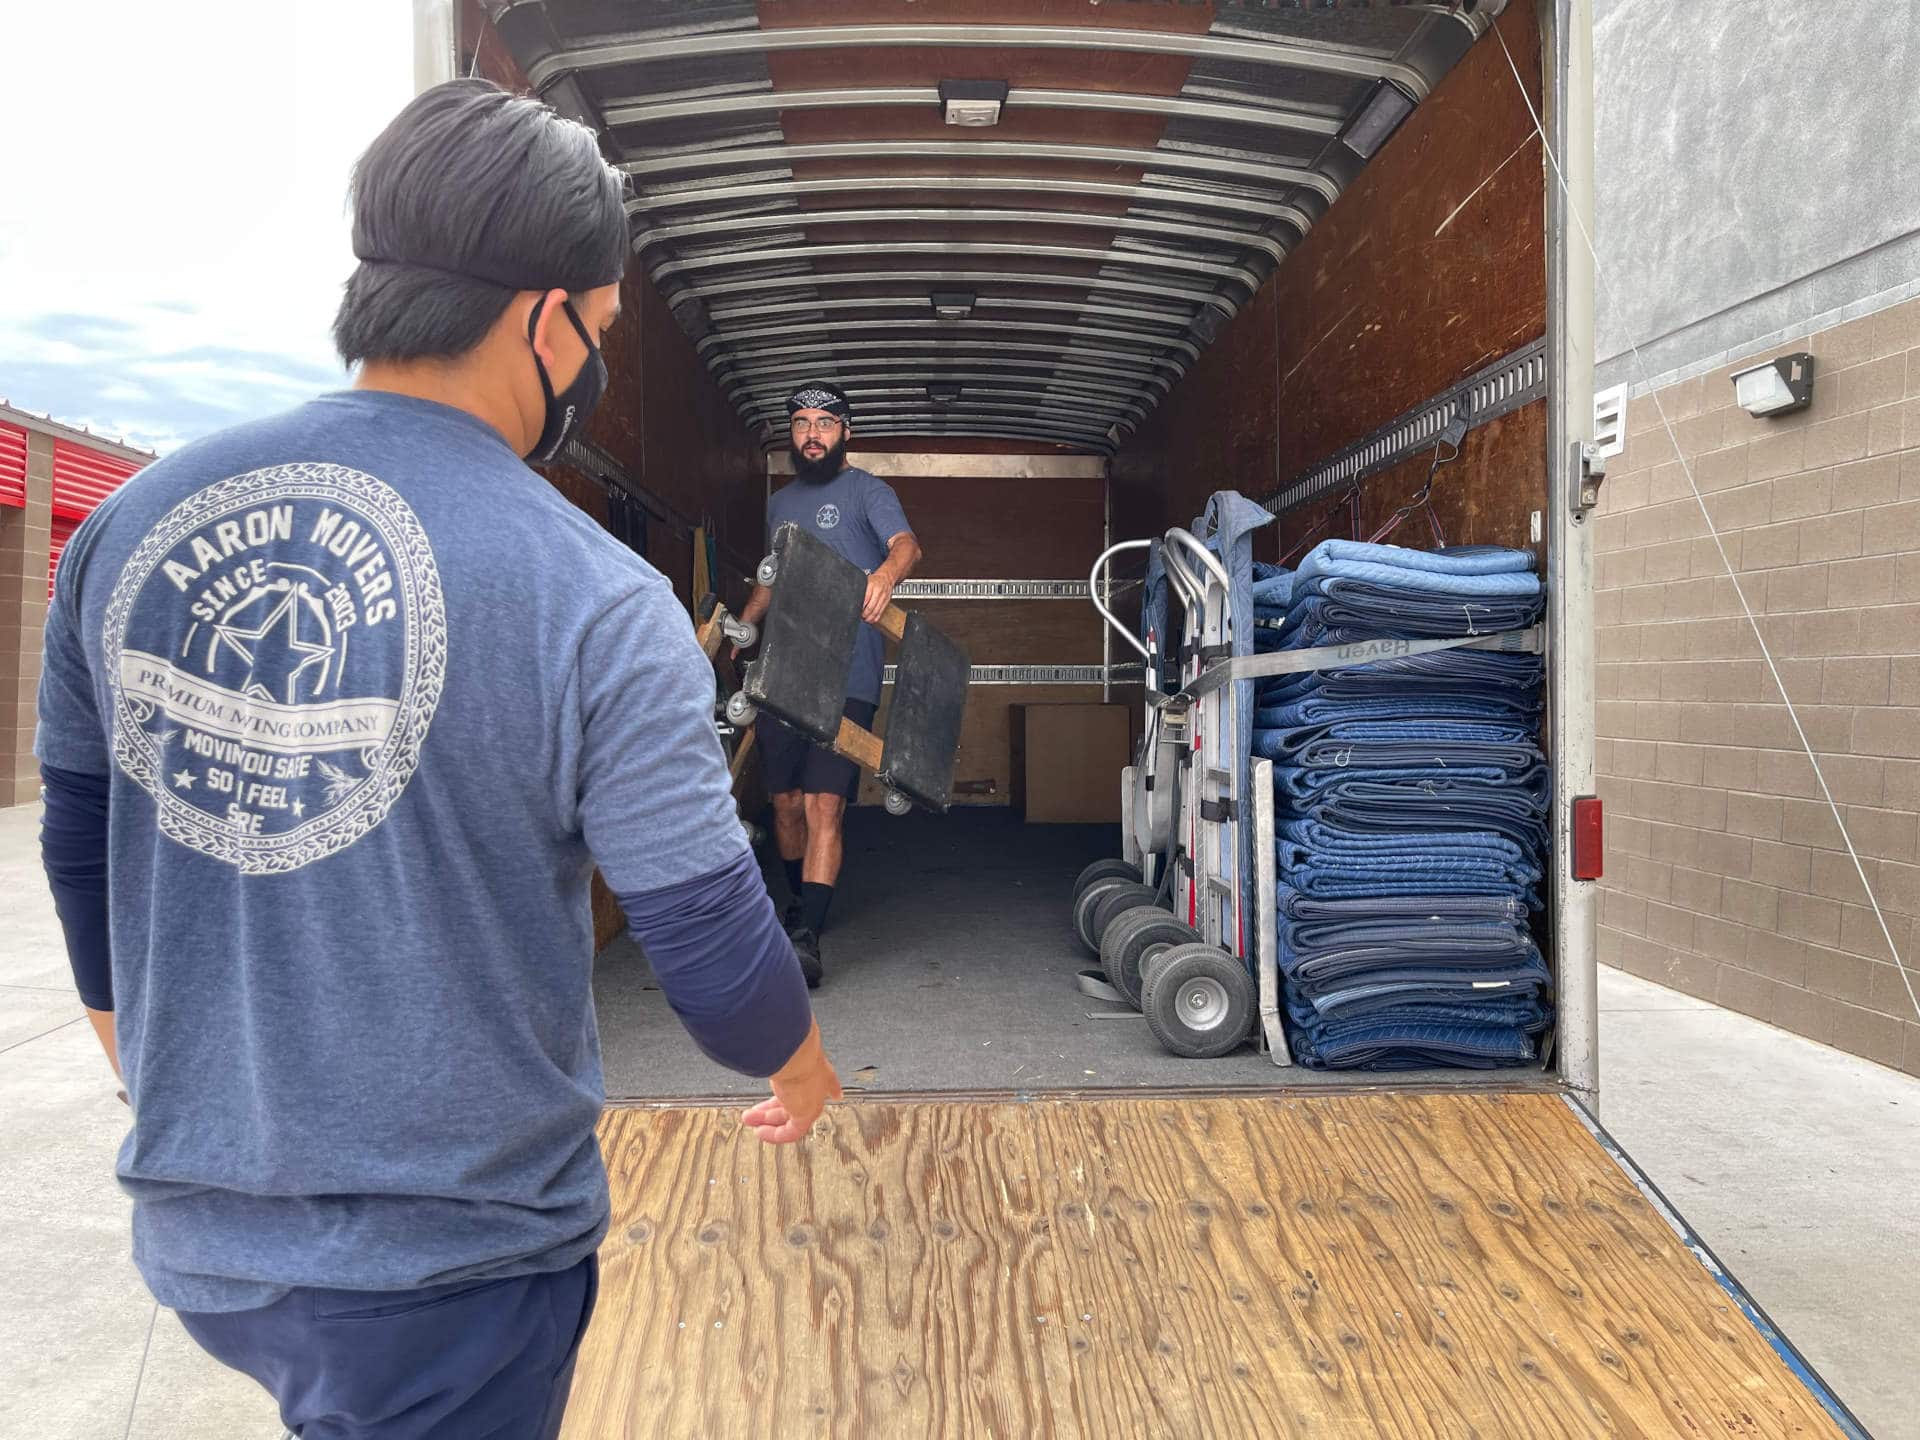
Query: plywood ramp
x=1340, y=1265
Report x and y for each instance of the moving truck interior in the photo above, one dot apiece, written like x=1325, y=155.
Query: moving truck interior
x=1082, y=265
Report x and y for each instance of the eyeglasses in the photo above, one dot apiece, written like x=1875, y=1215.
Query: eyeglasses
x=825, y=425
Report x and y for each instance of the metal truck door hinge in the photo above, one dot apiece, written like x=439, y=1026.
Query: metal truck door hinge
x=1589, y=468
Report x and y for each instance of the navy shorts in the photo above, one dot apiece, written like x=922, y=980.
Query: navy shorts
x=793, y=762
x=484, y=1360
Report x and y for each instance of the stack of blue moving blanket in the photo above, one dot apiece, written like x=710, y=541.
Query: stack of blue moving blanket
x=1411, y=809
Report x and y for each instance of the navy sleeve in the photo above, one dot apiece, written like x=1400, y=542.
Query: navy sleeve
x=73, y=847
x=725, y=966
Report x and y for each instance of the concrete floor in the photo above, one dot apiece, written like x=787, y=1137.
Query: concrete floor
x=1797, y=1163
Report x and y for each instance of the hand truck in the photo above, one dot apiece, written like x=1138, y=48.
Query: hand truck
x=1169, y=918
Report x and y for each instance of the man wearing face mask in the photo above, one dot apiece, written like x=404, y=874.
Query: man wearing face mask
x=857, y=515
x=340, y=709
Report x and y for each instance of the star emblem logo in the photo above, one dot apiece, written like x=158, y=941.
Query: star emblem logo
x=182, y=780
x=277, y=652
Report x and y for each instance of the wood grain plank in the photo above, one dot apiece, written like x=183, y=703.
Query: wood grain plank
x=1328, y=1265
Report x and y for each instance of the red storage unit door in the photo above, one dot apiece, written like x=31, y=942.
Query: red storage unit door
x=63, y=528
x=13, y=465
x=82, y=478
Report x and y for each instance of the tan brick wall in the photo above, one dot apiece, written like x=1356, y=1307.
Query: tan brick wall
x=1726, y=875
x=24, y=538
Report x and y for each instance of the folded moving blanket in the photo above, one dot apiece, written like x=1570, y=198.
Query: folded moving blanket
x=1297, y=786
x=1522, y=1009
x=1463, y=973
x=1514, y=709
x=1327, y=945
x=1399, y=874
x=1393, y=1046
x=1343, y=611
x=1433, y=806
x=1430, y=749
x=1443, y=672
x=1291, y=904
x=1494, y=569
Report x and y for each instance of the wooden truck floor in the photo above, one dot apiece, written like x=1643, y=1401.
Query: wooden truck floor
x=1331, y=1264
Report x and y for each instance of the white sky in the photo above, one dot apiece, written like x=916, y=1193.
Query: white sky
x=173, y=229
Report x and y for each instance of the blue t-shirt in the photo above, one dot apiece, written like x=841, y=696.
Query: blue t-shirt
x=374, y=699
x=857, y=514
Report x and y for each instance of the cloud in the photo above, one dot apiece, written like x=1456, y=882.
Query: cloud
x=195, y=290
x=153, y=385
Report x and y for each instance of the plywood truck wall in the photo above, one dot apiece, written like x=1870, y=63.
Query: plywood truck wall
x=1432, y=265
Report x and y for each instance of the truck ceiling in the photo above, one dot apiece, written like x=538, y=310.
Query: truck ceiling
x=808, y=202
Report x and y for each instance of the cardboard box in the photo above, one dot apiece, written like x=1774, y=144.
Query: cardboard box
x=1067, y=761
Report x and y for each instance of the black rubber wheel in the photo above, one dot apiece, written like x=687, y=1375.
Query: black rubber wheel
x=1103, y=870
x=1084, y=905
x=1199, y=1002
x=1116, y=902
x=1131, y=937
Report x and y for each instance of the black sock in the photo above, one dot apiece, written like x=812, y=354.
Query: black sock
x=814, y=900
x=793, y=877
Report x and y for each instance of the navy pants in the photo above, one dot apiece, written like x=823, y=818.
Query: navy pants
x=790, y=761
x=488, y=1360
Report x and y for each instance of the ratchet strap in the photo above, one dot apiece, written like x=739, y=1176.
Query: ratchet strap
x=1336, y=657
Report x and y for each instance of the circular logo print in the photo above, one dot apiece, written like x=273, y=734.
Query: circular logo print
x=276, y=647
x=828, y=517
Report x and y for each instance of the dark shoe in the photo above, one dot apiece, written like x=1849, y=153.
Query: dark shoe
x=791, y=917
x=806, y=945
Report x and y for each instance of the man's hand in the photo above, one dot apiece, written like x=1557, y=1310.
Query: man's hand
x=801, y=1091
x=879, y=596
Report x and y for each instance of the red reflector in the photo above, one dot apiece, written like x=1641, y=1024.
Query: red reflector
x=1589, y=839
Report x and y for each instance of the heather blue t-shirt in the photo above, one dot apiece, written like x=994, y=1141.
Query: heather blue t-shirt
x=857, y=514
x=374, y=698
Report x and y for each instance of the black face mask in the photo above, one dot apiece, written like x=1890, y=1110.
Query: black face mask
x=568, y=410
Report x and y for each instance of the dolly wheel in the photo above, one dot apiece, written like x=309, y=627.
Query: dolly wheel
x=1131, y=938
x=768, y=572
x=1103, y=870
x=740, y=710
x=1115, y=903
x=1083, y=908
x=897, y=804
x=1199, y=1001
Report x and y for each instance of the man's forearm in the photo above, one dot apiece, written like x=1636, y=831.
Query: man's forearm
x=757, y=604
x=902, y=556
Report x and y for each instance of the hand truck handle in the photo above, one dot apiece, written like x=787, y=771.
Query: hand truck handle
x=1093, y=590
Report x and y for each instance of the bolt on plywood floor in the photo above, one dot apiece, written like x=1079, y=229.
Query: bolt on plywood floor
x=1332, y=1265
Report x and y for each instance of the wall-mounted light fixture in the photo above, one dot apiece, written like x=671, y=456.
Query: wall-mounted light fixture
x=1778, y=387
x=952, y=304
x=974, y=104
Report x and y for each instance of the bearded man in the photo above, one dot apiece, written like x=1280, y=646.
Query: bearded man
x=857, y=515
